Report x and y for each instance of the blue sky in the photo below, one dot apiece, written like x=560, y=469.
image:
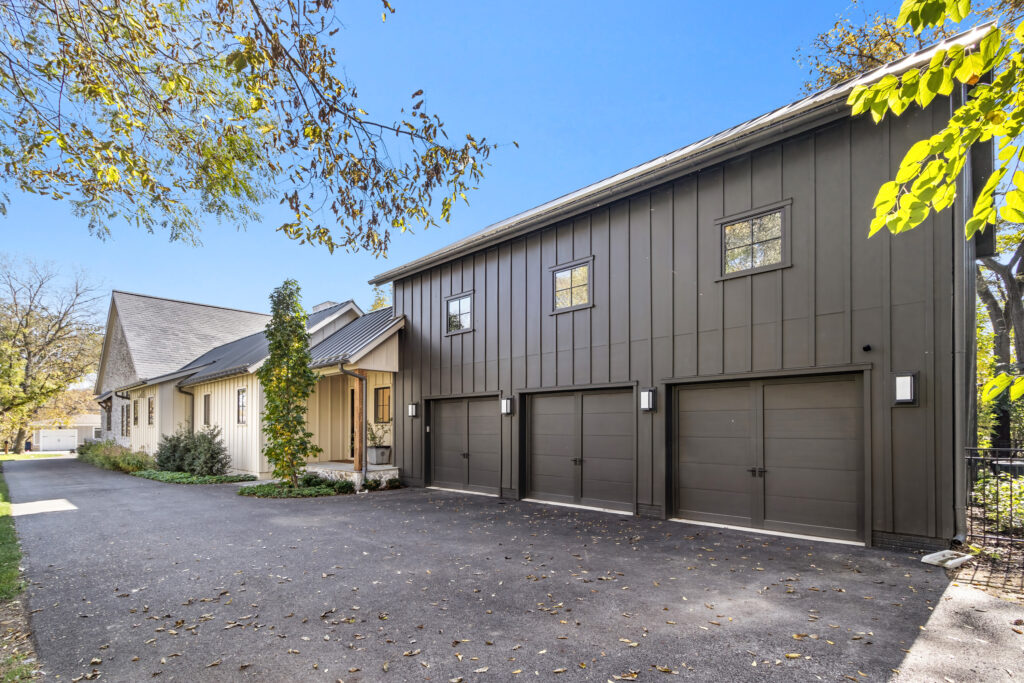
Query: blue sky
x=587, y=89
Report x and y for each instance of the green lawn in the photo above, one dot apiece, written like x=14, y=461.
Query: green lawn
x=12, y=667
x=10, y=551
x=31, y=456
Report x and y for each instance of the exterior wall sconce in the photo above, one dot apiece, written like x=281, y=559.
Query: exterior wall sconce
x=905, y=388
x=647, y=400
x=506, y=405
x=412, y=410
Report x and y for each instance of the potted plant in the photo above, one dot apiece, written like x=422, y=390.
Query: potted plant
x=378, y=451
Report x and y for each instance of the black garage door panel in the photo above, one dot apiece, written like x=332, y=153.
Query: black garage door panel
x=819, y=492
x=466, y=444
x=552, y=447
x=715, y=449
x=805, y=436
x=449, y=443
x=607, y=469
x=581, y=448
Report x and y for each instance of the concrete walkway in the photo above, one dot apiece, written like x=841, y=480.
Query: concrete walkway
x=141, y=579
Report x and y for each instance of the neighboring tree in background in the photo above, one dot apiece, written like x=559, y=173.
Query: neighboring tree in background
x=162, y=115
x=63, y=408
x=381, y=298
x=51, y=338
x=287, y=382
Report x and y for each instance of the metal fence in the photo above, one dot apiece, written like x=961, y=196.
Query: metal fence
x=995, y=508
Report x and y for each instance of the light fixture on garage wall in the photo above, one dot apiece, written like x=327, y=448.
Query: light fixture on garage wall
x=506, y=405
x=412, y=410
x=905, y=392
x=647, y=400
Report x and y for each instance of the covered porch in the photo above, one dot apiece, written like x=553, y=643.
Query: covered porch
x=351, y=411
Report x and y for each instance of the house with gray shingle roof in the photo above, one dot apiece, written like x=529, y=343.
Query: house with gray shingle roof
x=170, y=364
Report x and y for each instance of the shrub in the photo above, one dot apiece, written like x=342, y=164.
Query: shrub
x=186, y=478
x=109, y=456
x=312, y=479
x=170, y=451
x=201, y=453
x=1002, y=498
x=393, y=483
x=371, y=484
x=207, y=453
x=275, y=490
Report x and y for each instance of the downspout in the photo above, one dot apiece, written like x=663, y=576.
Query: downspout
x=964, y=343
x=191, y=408
x=362, y=379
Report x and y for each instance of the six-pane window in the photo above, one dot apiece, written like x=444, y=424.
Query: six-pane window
x=151, y=409
x=572, y=287
x=752, y=243
x=382, y=404
x=206, y=410
x=135, y=412
x=241, y=406
x=460, y=314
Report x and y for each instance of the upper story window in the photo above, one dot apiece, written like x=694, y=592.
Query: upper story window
x=241, y=406
x=572, y=285
x=151, y=410
x=382, y=404
x=206, y=410
x=459, y=313
x=754, y=242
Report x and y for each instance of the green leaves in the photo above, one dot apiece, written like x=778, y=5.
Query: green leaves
x=922, y=14
x=926, y=180
x=165, y=114
x=1000, y=383
x=287, y=382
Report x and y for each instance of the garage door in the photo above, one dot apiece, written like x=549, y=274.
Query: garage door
x=785, y=455
x=466, y=444
x=57, y=440
x=580, y=448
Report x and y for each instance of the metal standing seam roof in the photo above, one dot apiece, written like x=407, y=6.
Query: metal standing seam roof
x=353, y=338
x=676, y=163
x=317, y=317
x=239, y=356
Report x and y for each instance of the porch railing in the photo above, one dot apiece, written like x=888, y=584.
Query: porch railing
x=995, y=506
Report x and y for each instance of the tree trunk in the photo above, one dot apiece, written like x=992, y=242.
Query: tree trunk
x=19, y=441
x=998, y=317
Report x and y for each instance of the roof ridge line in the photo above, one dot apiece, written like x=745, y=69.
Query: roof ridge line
x=191, y=303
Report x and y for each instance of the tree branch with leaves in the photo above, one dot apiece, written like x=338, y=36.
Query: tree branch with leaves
x=161, y=115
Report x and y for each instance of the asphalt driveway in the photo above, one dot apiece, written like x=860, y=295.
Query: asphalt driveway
x=145, y=580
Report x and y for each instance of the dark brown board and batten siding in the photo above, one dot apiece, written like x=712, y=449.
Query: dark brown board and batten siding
x=662, y=314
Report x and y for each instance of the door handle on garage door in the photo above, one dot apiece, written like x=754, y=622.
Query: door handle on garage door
x=577, y=461
x=465, y=455
x=757, y=471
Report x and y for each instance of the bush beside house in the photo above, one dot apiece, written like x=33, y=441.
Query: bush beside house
x=110, y=456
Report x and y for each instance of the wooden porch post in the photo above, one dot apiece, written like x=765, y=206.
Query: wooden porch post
x=360, y=423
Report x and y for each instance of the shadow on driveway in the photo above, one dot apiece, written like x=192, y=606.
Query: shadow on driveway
x=197, y=583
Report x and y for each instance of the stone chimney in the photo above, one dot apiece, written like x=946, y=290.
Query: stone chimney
x=326, y=304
